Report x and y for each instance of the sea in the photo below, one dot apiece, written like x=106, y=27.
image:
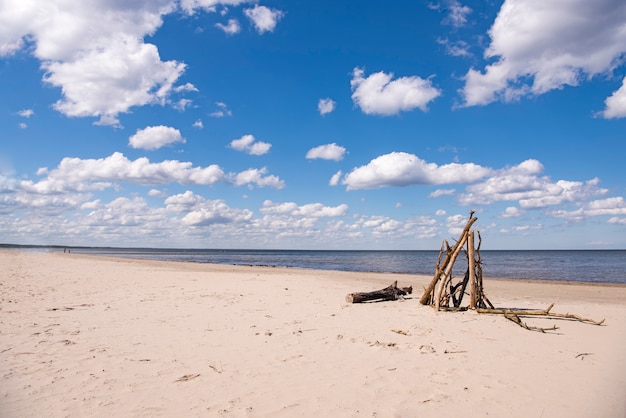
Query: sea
x=596, y=266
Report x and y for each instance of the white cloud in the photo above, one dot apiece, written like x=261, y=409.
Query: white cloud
x=325, y=106
x=609, y=206
x=402, y=169
x=455, y=48
x=440, y=212
x=222, y=111
x=78, y=175
x=442, y=192
x=511, y=212
x=334, y=180
x=9, y=48
x=257, y=176
x=182, y=104
x=107, y=81
x=155, y=137
x=616, y=103
x=185, y=87
x=458, y=13
x=198, y=124
x=314, y=210
x=202, y=212
x=526, y=228
x=541, y=46
x=264, y=18
x=326, y=152
x=190, y=6
x=23, y=125
x=247, y=144
x=156, y=193
x=26, y=113
x=231, y=28
x=521, y=183
x=94, y=53
x=456, y=224
x=379, y=95
x=94, y=204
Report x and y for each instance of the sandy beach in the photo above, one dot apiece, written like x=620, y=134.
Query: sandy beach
x=86, y=336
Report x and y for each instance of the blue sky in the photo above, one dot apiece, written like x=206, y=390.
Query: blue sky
x=313, y=124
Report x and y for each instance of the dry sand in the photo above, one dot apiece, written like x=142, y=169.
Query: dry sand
x=92, y=336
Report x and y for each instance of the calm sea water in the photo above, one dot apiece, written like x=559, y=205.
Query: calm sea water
x=583, y=265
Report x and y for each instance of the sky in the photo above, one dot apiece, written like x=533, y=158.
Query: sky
x=323, y=124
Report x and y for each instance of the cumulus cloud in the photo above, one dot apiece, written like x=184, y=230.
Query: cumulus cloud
x=94, y=53
x=402, y=169
x=247, y=144
x=185, y=87
x=456, y=223
x=315, y=210
x=264, y=18
x=523, y=184
x=383, y=226
x=325, y=106
x=127, y=213
x=326, y=152
x=202, y=212
x=334, y=180
x=231, y=28
x=82, y=175
x=540, y=46
x=603, y=207
x=511, y=212
x=616, y=103
x=377, y=94
x=255, y=176
x=155, y=137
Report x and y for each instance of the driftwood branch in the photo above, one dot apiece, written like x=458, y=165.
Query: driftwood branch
x=515, y=314
x=518, y=321
x=391, y=292
x=454, y=251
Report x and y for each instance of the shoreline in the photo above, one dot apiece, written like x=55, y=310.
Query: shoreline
x=516, y=280
x=392, y=274
x=87, y=335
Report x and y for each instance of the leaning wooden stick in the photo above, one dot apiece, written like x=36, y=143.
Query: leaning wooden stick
x=428, y=292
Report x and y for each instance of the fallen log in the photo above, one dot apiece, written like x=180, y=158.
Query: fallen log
x=391, y=292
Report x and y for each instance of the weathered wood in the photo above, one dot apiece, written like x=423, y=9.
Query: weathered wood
x=471, y=266
x=515, y=314
x=448, y=269
x=426, y=297
x=391, y=292
x=521, y=312
x=460, y=289
x=518, y=321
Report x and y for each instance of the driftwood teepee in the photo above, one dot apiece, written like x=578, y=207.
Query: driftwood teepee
x=444, y=291
x=446, y=294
